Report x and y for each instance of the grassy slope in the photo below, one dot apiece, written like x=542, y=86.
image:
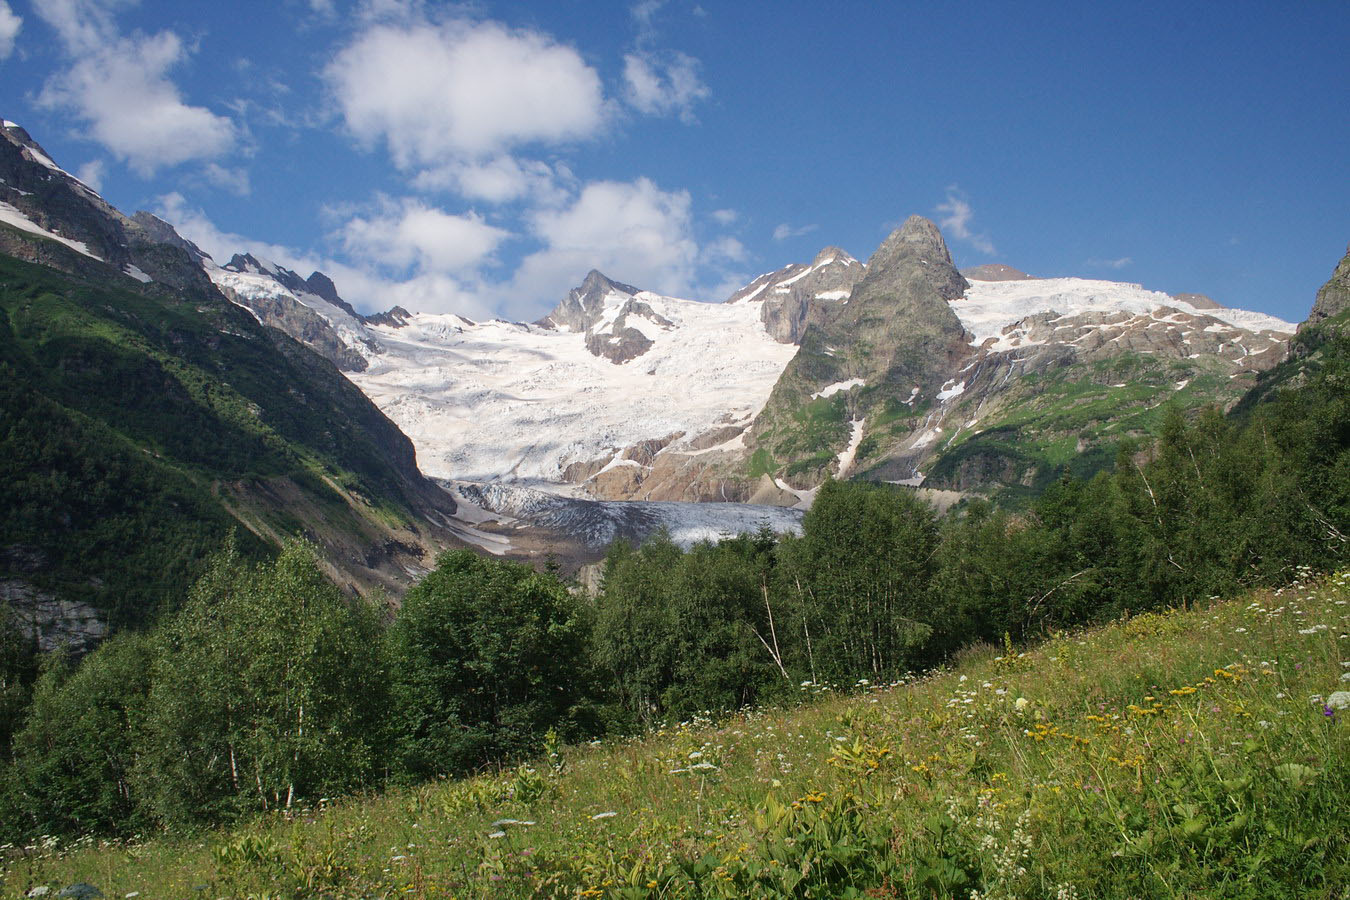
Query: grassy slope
x=1184, y=755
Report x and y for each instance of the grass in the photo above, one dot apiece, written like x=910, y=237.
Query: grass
x=1178, y=754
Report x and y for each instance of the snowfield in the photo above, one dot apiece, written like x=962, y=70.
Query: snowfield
x=507, y=400
x=989, y=307
x=515, y=403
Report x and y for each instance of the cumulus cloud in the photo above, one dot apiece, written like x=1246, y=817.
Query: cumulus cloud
x=660, y=84
x=725, y=216
x=785, y=231
x=9, y=29
x=632, y=231
x=956, y=218
x=1119, y=263
x=409, y=233
x=91, y=173
x=234, y=180
x=439, y=93
x=365, y=286
x=120, y=87
x=500, y=179
x=724, y=249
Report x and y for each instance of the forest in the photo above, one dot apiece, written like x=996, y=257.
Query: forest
x=265, y=686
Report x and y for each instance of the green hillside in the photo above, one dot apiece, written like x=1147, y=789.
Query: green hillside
x=1183, y=754
x=142, y=424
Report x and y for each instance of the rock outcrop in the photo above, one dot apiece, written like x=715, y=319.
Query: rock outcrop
x=801, y=294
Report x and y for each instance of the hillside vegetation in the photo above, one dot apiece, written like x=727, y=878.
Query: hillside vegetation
x=141, y=424
x=1182, y=753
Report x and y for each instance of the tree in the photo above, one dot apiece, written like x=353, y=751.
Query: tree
x=485, y=657
x=859, y=578
x=267, y=689
x=74, y=757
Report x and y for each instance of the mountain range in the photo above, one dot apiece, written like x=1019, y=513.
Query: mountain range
x=243, y=395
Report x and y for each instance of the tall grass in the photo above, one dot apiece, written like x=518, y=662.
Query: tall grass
x=1195, y=753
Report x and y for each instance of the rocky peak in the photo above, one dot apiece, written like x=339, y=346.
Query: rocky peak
x=320, y=285
x=917, y=247
x=584, y=304
x=396, y=317
x=1334, y=296
x=799, y=294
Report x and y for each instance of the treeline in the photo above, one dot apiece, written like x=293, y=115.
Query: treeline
x=269, y=688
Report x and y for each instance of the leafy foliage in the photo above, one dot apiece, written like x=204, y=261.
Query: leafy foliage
x=485, y=657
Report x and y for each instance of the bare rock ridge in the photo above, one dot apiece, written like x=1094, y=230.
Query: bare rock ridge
x=585, y=304
x=1199, y=301
x=60, y=221
x=801, y=294
x=615, y=321
x=286, y=311
x=1334, y=297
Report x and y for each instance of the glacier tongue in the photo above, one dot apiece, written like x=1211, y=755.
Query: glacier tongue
x=505, y=400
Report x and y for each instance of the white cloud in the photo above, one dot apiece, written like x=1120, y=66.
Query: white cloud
x=119, y=86
x=1119, y=263
x=725, y=216
x=9, y=29
x=785, y=231
x=500, y=179
x=91, y=173
x=235, y=180
x=633, y=231
x=956, y=221
x=462, y=90
x=364, y=286
x=724, y=249
x=412, y=234
x=664, y=83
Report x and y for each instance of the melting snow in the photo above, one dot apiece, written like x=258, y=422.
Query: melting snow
x=990, y=307
x=831, y=390
x=949, y=392
x=832, y=295
x=138, y=274
x=11, y=216
x=849, y=453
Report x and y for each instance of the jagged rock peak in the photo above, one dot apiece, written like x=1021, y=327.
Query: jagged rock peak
x=833, y=253
x=1334, y=297
x=917, y=237
x=162, y=232
x=584, y=304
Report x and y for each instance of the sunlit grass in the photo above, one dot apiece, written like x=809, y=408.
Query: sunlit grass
x=1195, y=753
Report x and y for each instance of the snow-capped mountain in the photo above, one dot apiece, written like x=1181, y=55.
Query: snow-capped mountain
x=900, y=369
x=621, y=393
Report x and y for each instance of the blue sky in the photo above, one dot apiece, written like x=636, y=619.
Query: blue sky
x=481, y=158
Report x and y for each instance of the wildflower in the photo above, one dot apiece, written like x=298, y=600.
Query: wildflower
x=1339, y=700
x=604, y=815
x=1021, y=703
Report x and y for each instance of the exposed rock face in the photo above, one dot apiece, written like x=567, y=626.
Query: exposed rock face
x=995, y=272
x=800, y=294
x=584, y=305
x=1334, y=296
x=394, y=317
x=52, y=622
x=896, y=335
x=284, y=311
x=1199, y=301
x=72, y=213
